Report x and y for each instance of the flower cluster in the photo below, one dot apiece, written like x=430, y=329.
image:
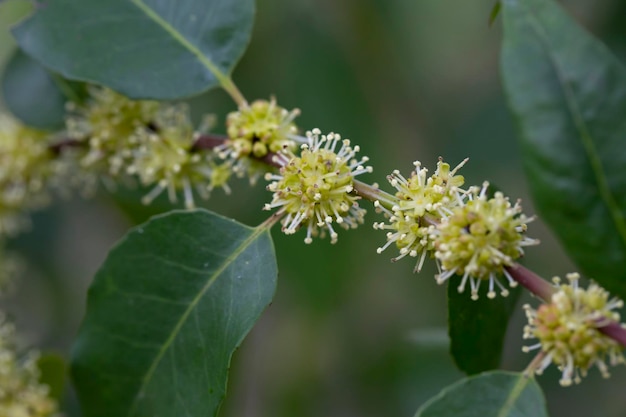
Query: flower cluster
x=147, y=140
x=164, y=159
x=567, y=331
x=420, y=201
x=25, y=168
x=314, y=189
x=468, y=233
x=109, y=122
x=254, y=131
x=479, y=238
x=21, y=393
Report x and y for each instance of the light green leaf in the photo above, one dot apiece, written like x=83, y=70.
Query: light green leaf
x=166, y=311
x=492, y=394
x=142, y=48
x=568, y=94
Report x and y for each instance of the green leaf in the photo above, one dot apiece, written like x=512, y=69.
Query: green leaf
x=477, y=328
x=165, y=313
x=32, y=94
x=141, y=48
x=495, y=11
x=53, y=373
x=492, y=394
x=568, y=94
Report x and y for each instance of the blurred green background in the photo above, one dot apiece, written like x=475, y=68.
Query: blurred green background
x=349, y=333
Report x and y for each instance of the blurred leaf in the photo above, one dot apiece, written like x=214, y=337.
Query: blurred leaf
x=477, y=328
x=166, y=311
x=568, y=93
x=492, y=394
x=11, y=12
x=32, y=94
x=141, y=48
x=495, y=11
x=53, y=373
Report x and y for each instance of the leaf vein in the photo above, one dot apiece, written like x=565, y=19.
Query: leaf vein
x=192, y=305
x=586, y=138
x=160, y=21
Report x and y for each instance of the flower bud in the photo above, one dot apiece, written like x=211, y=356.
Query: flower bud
x=254, y=131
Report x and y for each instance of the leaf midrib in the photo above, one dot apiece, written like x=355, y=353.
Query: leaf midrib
x=165, y=25
x=514, y=394
x=192, y=305
x=584, y=135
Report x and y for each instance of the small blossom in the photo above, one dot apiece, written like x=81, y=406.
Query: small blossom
x=25, y=167
x=163, y=159
x=149, y=140
x=256, y=130
x=315, y=188
x=421, y=200
x=70, y=176
x=479, y=238
x=21, y=394
x=109, y=122
x=567, y=331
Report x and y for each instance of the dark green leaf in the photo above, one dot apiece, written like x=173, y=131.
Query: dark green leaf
x=53, y=369
x=568, y=94
x=492, y=394
x=166, y=311
x=142, y=48
x=32, y=94
x=477, y=327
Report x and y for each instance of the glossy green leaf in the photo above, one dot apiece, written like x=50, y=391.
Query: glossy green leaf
x=477, y=328
x=142, y=48
x=492, y=394
x=568, y=94
x=31, y=93
x=53, y=373
x=166, y=311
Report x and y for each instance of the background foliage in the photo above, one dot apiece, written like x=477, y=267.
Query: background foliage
x=348, y=334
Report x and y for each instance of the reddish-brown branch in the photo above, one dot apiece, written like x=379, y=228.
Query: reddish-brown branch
x=58, y=147
x=542, y=288
x=531, y=281
x=615, y=331
x=208, y=141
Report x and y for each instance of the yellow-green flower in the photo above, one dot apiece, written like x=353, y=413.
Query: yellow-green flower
x=147, y=139
x=479, y=238
x=256, y=130
x=21, y=394
x=315, y=189
x=110, y=123
x=421, y=200
x=163, y=158
x=25, y=168
x=567, y=331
